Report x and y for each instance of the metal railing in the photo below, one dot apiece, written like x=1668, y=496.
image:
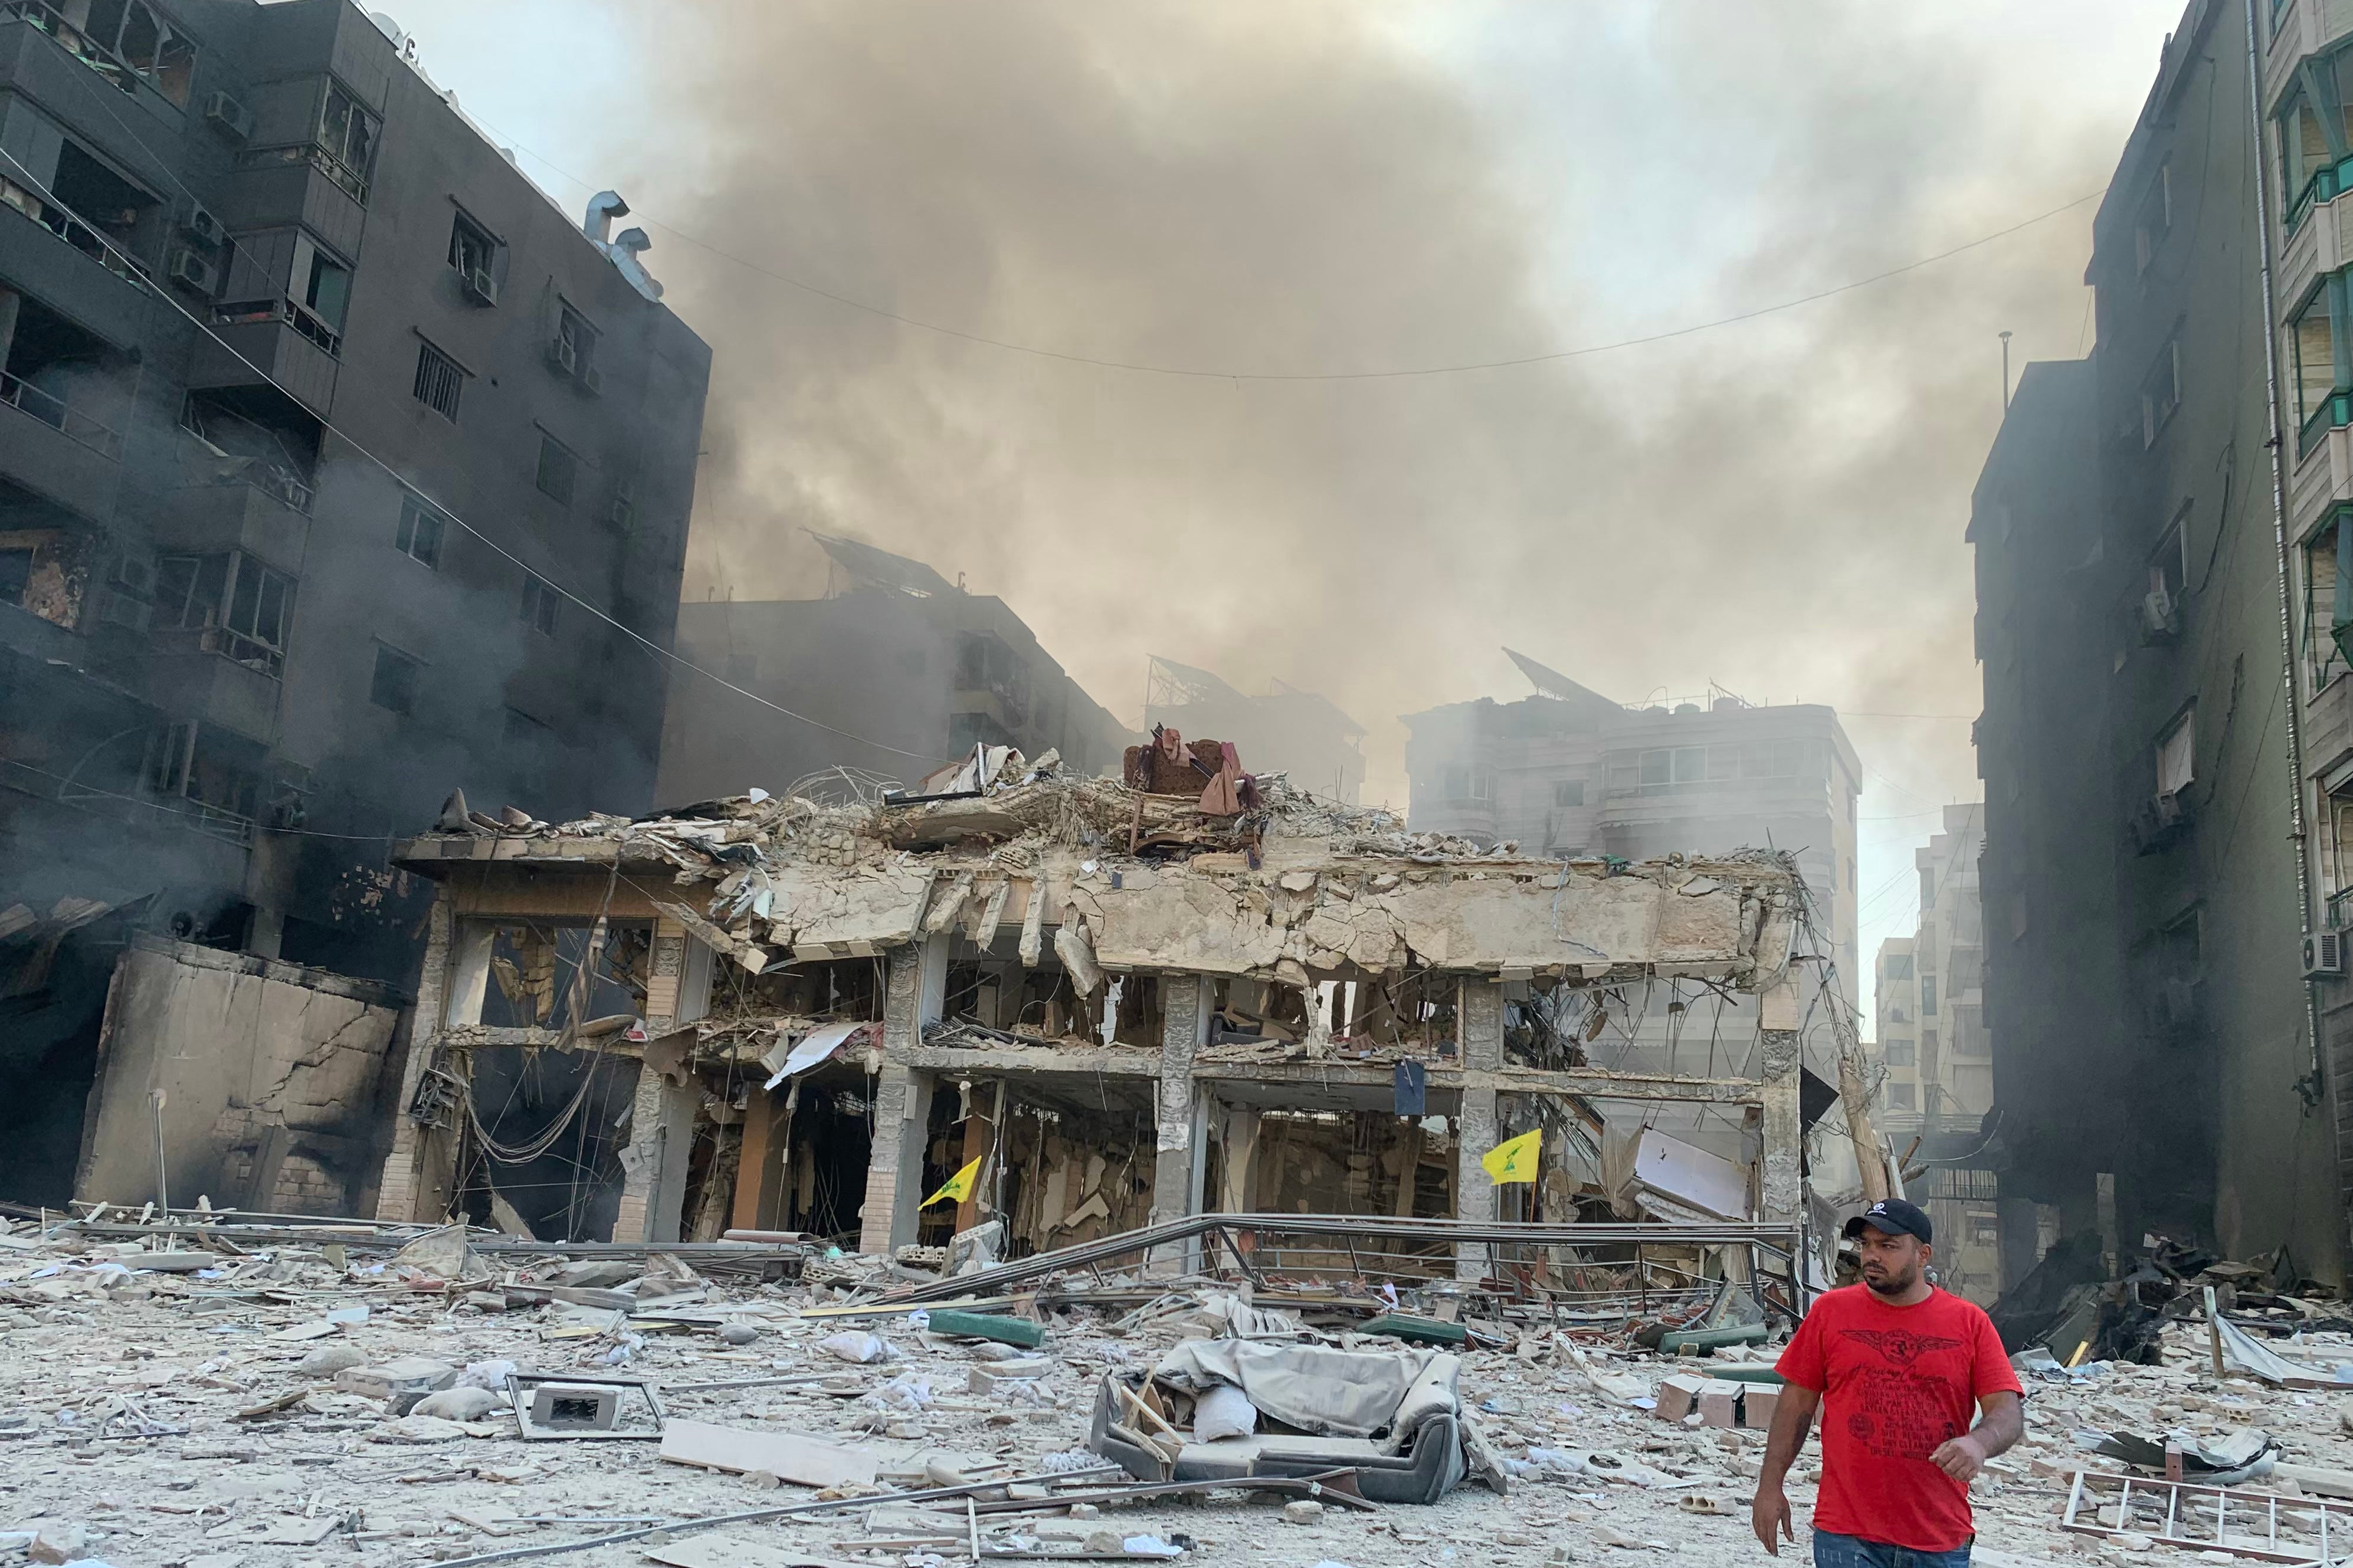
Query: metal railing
x=62, y=223
x=85, y=429
x=2340, y=910
x=318, y=156
x=207, y=465
x=291, y=311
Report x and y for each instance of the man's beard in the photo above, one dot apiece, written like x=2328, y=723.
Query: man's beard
x=1892, y=1284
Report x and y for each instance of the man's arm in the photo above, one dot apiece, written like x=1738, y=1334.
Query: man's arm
x=2002, y=1421
x=1793, y=1418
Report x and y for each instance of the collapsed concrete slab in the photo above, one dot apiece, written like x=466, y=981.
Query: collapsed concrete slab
x=1078, y=1007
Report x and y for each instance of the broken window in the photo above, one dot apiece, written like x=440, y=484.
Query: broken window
x=472, y=252
x=132, y=43
x=240, y=607
x=2327, y=599
x=2154, y=221
x=254, y=436
x=2160, y=391
x=2177, y=754
x=539, y=601
x=439, y=381
x=318, y=291
x=393, y=685
x=220, y=772
x=347, y=135
x=574, y=350
x=559, y=470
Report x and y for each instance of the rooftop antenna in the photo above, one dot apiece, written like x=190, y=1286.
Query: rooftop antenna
x=2005, y=372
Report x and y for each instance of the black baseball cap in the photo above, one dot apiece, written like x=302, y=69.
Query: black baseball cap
x=1892, y=1216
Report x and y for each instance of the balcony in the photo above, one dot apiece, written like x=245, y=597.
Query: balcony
x=80, y=277
x=232, y=505
x=2339, y=915
x=269, y=340
x=50, y=446
x=199, y=671
x=305, y=186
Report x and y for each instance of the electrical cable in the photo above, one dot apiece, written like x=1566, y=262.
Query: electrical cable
x=1193, y=373
x=409, y=487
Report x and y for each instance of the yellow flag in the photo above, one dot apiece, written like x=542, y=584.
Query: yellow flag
x=959, y=1186
x=1514, y=1160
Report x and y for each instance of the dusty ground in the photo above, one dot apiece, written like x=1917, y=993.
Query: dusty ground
x=91, y=1355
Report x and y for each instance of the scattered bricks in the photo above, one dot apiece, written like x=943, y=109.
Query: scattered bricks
x=574, y=1407
x=1757, y=1404
x=1719, y=1404
x=985, y=1379
x=1301, y=1512
x=1678, y=1397
x=417, y=1375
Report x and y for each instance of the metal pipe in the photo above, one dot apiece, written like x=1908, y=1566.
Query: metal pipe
x=2296, y=830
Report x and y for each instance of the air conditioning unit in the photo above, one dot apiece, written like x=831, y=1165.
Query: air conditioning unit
x=479, y=285
x=561, y=354
x=2159, y=820
x=2160, y=616
x=2324, y=955
x=193, y=272
x=203, y=227
x=227, y=116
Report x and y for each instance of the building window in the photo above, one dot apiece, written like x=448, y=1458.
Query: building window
x=574, y=349
x=1468, y=785
x=2160, y=391
x=2328, y=600
x=419, y=534
x=1927, y=1043
x=242, y=608
x=472, y=252
x=347, y=133
x=539, y=601
x=1927, y=996
x=393, y=687
x=1898, y=1053
x=1568, y=792
x=558, y=470
x=2318, y=348
x=1985, y=1230
x=439, y=382
x=320, y=295
x=2177, y=754
x=140, y=38
x=2313, y=141
x=1899, y=1096
x=2155, y=219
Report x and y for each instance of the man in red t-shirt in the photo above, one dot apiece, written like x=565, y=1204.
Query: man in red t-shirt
x=1897, y=1366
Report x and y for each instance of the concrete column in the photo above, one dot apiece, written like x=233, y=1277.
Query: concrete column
x=1479, y=1025
x=914, y=994
x=1177, y=1174
x=1781, y=1190
x=397, y=1186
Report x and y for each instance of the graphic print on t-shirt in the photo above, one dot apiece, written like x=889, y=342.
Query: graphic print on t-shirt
x=1902, y=1414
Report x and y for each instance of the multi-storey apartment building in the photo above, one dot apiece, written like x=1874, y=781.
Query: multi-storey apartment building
x=338, y=467
x=892, y=673
x=2165, y=716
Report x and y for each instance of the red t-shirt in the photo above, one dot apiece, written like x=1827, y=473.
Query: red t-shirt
x=1895, y=1383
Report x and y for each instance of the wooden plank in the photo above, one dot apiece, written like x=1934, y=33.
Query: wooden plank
x=752, y=1162
x=804, y=1461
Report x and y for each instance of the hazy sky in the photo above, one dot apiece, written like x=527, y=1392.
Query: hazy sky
x=1307, y=190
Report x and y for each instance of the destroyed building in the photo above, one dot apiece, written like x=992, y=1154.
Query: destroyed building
x=2165, y=730
x=1125, y=1008
x=892, y=671
x=337, y=465
x=1282, y=730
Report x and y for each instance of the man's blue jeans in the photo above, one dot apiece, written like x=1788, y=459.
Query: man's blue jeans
x=1852, y=1552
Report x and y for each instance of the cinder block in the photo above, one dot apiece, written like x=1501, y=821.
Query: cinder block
x=1719, y=1404
x=414, y=1376
x=1757, y=1404
x=1678, y=1397
x=574, y=1407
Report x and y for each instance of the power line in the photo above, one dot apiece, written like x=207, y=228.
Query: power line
x=448, y=513
x=1145, y=368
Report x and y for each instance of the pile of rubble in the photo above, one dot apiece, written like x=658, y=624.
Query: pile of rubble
x=201, y=1397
